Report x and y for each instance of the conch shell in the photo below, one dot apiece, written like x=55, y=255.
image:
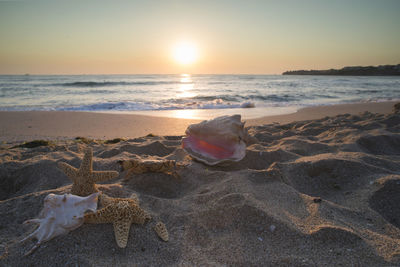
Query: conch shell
x=60, y=214
x=217, y=140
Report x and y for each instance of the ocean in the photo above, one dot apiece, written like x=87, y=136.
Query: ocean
x=195, y=96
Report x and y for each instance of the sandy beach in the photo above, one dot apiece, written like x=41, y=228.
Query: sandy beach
x=321, y=187
x=21, y=126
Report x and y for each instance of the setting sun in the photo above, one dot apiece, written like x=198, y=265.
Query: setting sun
x=185, y=53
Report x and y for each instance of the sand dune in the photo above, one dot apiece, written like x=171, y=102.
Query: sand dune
x=312, y=193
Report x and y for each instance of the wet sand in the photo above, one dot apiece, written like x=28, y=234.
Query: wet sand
x=61, y=125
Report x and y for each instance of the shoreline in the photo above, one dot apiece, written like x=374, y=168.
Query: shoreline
x=206, y=114
x=18, y=126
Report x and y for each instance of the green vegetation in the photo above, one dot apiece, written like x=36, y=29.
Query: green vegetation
x=34, y=143
x=84, y=140
x=397, y=108
x=114, y=141
x=382, y=70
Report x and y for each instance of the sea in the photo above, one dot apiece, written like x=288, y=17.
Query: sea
x=190, y=96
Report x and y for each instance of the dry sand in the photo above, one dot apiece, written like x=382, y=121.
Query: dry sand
x=323, y=192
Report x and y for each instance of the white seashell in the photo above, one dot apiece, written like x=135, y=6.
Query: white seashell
x=215, y=141
x=60, y=214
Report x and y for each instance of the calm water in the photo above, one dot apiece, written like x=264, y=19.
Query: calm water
x=186, y=93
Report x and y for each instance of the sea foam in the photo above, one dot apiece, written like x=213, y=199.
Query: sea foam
x=176, y=92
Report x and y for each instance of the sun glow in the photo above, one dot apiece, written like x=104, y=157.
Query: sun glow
x=185, y=53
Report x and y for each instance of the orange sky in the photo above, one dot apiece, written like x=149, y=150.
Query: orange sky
x=268, y=37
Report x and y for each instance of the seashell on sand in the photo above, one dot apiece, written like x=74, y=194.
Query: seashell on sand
x=162, y=231
x=217, y=140
x=60, y=215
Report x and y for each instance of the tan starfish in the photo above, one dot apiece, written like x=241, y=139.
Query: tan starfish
x=121, y=212
x=135, y=166
x=84, y=178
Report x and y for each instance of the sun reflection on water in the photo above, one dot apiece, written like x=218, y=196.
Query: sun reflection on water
x=185, y=87
x=186, y=78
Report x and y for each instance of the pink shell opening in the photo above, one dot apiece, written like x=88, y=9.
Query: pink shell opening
x=215, y=151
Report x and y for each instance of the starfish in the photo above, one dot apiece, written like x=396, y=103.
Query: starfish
x=121, y=212
x=84, y=178
x=135, y=166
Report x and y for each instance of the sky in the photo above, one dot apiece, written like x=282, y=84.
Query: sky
x=229, y=37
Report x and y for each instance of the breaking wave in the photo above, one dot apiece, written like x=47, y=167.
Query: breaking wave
x=168, y=92
x=138, y=106
x=108, y=83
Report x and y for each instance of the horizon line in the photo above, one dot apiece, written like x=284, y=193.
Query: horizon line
x=63, y=74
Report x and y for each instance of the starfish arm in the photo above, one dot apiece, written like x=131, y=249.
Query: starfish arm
x=101, y=176
x=136, y=170
x=121, y=231
x=135, y=198
x=86, y=164
x=132, y=171
x=106, y=200
x=140, y=216
x=70, y=171
x=105, y=215
x=129, y=164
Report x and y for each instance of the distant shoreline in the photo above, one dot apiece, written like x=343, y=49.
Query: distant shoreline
x=382, y=70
